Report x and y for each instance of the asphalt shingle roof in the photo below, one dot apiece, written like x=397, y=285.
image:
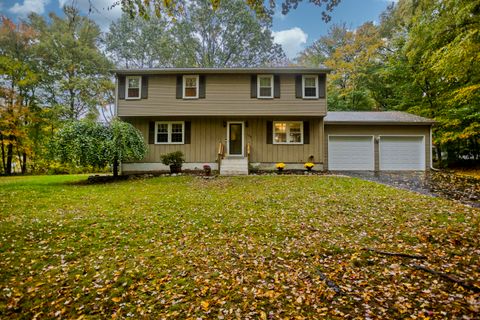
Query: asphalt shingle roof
x=374, y=117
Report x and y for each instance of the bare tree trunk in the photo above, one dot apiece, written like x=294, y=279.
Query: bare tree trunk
x=4, y=165
x=8, y=168
x=439, y=156
x=115, y=168
x=24, y=163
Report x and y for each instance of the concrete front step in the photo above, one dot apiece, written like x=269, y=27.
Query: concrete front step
x=234, y=167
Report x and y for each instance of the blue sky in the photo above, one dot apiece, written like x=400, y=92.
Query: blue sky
x=297, y=29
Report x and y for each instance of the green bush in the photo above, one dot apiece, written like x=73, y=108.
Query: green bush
x=173, y=159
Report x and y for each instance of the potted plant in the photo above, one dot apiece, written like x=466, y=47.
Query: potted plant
x=174, y=160
x=309, y=166
x=280, y=166
x=207, y=169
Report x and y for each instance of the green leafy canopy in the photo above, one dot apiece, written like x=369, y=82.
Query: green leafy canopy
x=98, y=144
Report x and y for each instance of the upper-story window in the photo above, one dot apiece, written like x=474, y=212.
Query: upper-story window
x=288, y=132
x=190, y=87
x=133, y=87
x=310, y=87
x=265, y=86
x=170, y=132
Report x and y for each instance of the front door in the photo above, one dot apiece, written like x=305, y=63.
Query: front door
x=235, y=138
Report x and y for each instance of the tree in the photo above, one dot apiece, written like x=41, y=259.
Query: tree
x=140, y=43
x=143, y=8
x=75, y=72
x=230, y=36
x=352, y=55
x=198, y=36
x=438, y=50
x=18, y=82
x=85, y=142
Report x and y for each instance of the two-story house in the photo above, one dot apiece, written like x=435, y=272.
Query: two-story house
x=260, y=116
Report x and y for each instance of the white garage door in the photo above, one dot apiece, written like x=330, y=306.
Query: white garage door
x=402, y=153
x=350, y=153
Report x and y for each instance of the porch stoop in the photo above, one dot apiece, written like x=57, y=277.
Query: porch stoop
x=231, y=166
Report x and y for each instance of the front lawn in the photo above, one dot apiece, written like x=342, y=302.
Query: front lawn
x=258, y=247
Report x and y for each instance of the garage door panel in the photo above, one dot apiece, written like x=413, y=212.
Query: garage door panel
x=402, y=153
x=350, y=153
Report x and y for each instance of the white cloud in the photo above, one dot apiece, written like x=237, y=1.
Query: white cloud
x=37, y=6
x=100, y=11
x=292, y=40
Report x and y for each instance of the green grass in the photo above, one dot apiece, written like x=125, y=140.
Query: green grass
x=241, y=247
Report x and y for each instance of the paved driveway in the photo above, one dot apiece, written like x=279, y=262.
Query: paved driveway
x=437, y=184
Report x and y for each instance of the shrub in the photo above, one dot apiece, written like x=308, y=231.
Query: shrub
x=174, y=160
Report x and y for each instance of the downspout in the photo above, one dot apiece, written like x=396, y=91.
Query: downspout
x=115, y=107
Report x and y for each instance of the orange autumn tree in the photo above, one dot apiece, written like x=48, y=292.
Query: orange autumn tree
x=18, y=82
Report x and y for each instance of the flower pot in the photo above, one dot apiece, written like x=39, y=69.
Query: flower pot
x=175, y=168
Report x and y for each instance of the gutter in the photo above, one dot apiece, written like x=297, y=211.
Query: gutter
x=382, y=123
x=220, y=71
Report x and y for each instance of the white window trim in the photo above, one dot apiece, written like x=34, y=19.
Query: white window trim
x=303, y=87
x=272, y=85
x=184, y=83
x=139, y=87
x=170, y=131
x=287, y=131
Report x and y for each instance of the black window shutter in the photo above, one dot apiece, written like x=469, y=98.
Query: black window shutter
x=144, y=87
x=188, y=132
x=276, y=88
x=253, y=86
x=151, y=132
x=121, y=87
x=321, y=85
x=269, y=132
x=179, y=87
x=201, y=89
x=298, y=87
x=306, y=132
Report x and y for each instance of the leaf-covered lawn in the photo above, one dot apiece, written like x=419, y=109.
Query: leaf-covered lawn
x=242, y=247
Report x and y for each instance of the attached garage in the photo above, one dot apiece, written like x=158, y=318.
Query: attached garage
x=351, y=152
x=387, y=141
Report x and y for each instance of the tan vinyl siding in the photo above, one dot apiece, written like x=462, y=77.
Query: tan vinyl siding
x=226, y=95
x=376, y=131
x=208, y=132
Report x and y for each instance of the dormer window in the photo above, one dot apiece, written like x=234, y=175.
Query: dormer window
x=265, y=87
x=190, y=87
x=133, y=87
x=310, y=87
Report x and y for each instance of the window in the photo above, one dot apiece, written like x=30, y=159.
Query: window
x=133, y=87
x=310, y=87
x=190, y=87
x=169, y=132
x=288, y=132
x=265, y=86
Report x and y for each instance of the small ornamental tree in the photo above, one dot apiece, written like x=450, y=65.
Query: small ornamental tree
x=97, y=144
